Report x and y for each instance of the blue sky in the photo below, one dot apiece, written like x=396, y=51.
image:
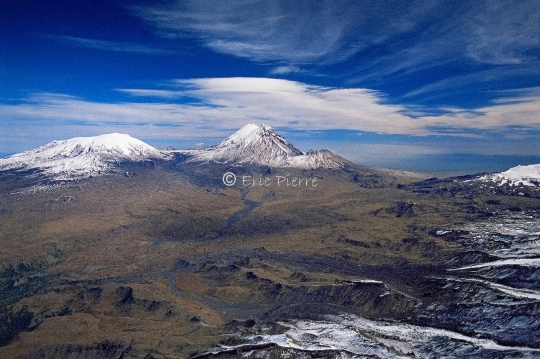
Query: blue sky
x=443, y=86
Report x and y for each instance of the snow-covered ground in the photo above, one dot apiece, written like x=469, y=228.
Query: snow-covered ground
x=516, y=176
x=476, y=311
x=357, y=337
x=500, y=295
x=509, y=236
x=81, y=157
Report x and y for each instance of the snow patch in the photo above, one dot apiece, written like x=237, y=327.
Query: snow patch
x=356, y=336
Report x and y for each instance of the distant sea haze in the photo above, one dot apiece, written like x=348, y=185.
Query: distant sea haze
x=455, y=164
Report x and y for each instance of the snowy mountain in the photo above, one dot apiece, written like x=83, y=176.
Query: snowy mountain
x=251, y=143
x=262, y=145
x=84, y=157
x=516, y=176
x=81, y=157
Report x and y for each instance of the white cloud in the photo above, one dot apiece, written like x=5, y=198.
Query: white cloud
x=474, y=43
x=282, y=70
x=297, y=32
x=164, y=94
x=226, y=104
x=503, y=32
x=413, y=33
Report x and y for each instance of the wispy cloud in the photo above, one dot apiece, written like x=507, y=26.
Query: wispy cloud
x=446, y=44
x=163, y=94
x=282, y=70
x=501, y=32
x=296, y=32
x=107, y=45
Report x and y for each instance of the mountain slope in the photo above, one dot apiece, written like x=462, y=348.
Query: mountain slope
x=318, y=159
x=251, y=144
x=262, y=145
x=81, y=157
x=85, y=157
x=516, y=176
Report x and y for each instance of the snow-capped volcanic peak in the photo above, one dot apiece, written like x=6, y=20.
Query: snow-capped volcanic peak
x=252, y=144
x=262, y=145
x=252, y=138
x=81, y=156
x=239, y=135
x=516, y=176
x=114, y=145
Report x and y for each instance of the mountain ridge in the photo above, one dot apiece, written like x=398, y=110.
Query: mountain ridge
x=262, y=145
x=516, y=176
x=250, y=143
x=85, y=157
x=81, y=157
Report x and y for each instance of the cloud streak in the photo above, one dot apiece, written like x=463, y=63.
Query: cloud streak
x=297, y=32
x=501, y=32
x=379, y=43
x=107, y=45
x=225, y=104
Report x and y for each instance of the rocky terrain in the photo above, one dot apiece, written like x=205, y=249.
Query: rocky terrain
x=154, y=256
